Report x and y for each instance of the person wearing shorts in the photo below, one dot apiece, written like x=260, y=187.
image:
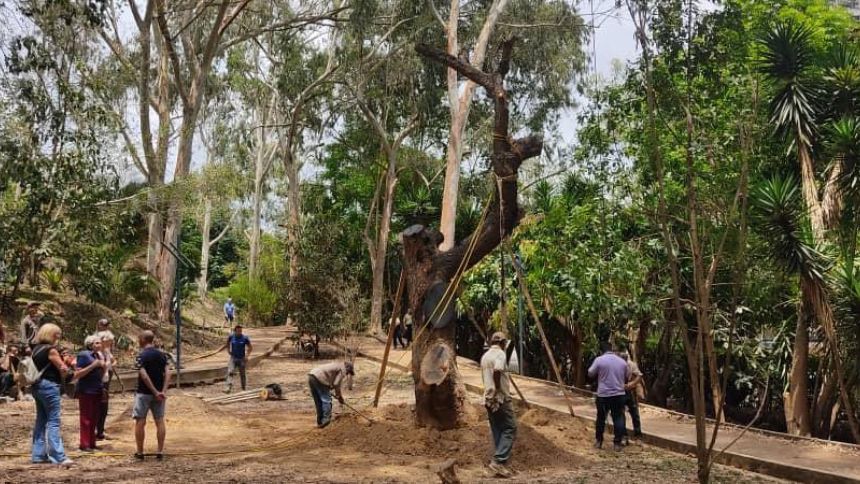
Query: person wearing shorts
x=152, y=381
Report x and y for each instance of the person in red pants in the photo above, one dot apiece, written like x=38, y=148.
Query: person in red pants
x=89, y=390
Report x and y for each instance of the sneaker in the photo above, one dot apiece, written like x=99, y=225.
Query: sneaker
x=87, y=450
x=159, y=456
x=229, y=390
x=598, y=444
x=67, y=463
x=617, y=447
x=138, y=456
x=499, y=470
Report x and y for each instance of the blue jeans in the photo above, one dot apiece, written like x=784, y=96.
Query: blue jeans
x=322, y=400
x=503, y=426
x=615, y=406
x=47, y=432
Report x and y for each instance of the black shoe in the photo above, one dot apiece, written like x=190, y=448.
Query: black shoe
x=617, y=447
x=159, y=456
x=138, y=456
x=88, y=451
x=598, y=444
x=324, y=424
x=101, y=437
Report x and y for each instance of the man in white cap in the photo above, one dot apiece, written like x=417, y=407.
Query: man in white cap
x=497, y=399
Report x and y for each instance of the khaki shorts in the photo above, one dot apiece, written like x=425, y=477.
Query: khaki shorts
x=144, y=403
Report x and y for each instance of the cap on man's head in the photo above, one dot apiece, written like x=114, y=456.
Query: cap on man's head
x=238, y=326
x=498, y=337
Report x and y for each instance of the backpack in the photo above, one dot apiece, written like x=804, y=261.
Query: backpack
x=30, y=375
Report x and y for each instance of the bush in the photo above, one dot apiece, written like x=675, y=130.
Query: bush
x=255, y=302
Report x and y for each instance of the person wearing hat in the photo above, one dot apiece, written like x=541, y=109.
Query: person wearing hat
x=30, y=324
x=325, y=378
x=236, y=344
x=497, y=399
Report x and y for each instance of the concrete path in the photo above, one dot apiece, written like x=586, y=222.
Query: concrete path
x=779, y=455
x=209, y=368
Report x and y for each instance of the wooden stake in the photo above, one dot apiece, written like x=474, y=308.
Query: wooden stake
x=391, y=328
x=530, y=303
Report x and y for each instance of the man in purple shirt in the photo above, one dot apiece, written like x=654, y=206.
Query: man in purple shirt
x=612, y=374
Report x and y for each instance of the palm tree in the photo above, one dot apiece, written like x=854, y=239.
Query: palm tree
x=787, y=62
x=776, y=207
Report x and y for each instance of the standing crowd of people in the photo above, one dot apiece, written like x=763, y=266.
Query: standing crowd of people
x=38, y=367
x=50, y=368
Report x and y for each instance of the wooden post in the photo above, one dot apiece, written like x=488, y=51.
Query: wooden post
x=530, y=303
x=391, y=327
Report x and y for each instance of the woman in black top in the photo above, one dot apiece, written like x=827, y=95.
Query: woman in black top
x=47, y=437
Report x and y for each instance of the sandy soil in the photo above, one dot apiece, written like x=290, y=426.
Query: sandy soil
x=276, y=441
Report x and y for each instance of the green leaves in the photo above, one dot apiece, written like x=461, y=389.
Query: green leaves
x=777, y=210
x=787, y=58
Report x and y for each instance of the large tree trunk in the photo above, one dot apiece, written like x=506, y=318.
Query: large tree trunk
x=796, y=402
x=254, y=240
x=460, y=103
x=381, y=247
x=203, y=280
x=294, y=207
x=439, y=392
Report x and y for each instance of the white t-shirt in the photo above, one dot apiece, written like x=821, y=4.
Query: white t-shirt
x=106, y=354
x=494, y=360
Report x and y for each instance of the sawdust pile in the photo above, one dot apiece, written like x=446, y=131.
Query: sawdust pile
x=544, y=438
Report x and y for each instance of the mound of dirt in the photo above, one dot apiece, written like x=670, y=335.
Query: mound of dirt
x=394, y=433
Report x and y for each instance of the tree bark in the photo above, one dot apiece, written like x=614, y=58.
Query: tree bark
x=203, y=280
x=459, y=106
x=381, y=248
x=796, y=403
x=439, y=392
x=294, y=207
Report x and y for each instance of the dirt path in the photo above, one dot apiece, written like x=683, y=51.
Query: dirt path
x=282, y=444
x=678, y=432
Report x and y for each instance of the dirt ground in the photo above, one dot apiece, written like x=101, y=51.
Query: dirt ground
x=276, y=441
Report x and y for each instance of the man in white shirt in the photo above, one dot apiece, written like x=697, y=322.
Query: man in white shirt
x=497, y=399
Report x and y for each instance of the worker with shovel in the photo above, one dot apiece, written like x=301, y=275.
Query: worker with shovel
x=325, y=378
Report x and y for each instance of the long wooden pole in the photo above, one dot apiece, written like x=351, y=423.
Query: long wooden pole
x=530, y=303
x=391, y=328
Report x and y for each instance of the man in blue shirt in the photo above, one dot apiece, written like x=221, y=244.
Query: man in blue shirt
x=236, y=347
x=612, y=374
x=229, y=311
x=153, y=378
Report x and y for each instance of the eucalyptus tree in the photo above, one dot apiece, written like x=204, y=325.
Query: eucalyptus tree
x=554, y=33
x=385, y=80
